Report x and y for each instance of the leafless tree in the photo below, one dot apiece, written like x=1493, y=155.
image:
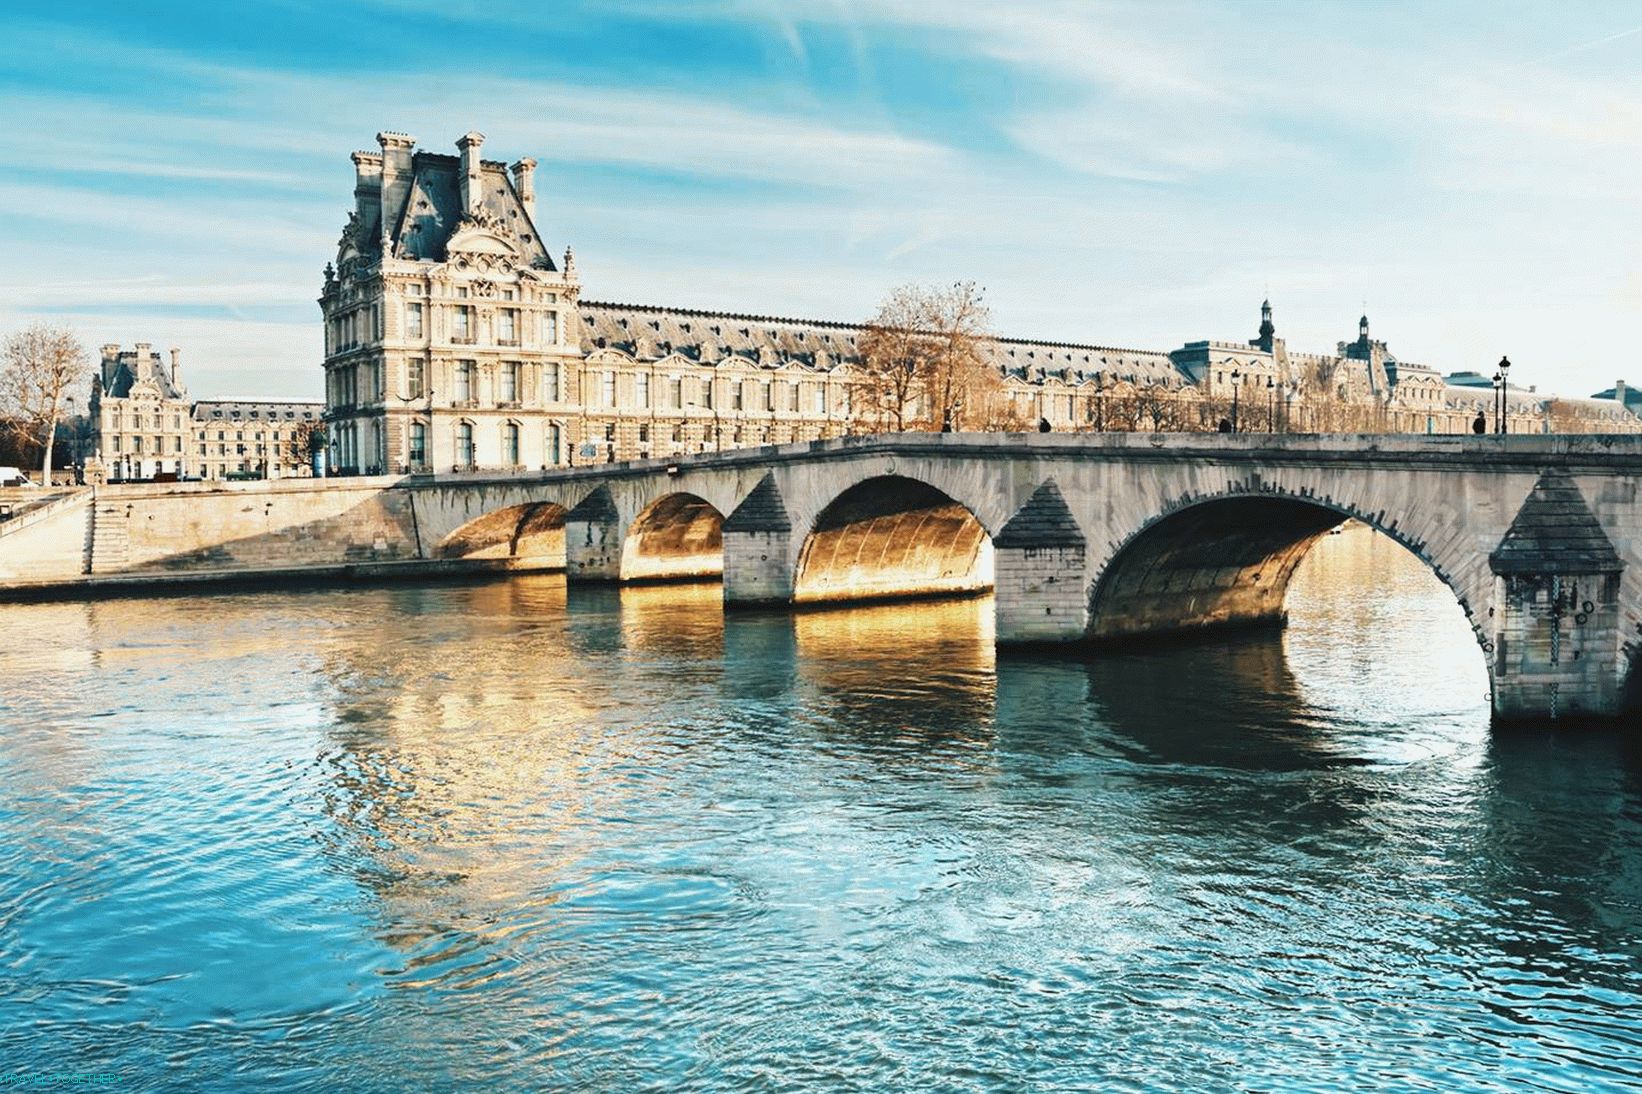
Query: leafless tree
x=40, y=366
x=922, y=360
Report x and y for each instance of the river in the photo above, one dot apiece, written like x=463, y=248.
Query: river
x=497, y=836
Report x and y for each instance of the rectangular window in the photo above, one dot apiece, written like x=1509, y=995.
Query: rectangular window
x=642, y=383
x=137, y=444
x=820, y=399
x=462, y=330
x=550, y=383
x=675, y=393
x=736, y=395
x=792, y=396
x=413, y=320
x=607, y=384
x=707, y=393
x=550, y=327
x=464, y=381
x=509, y=380
x=508, y=326
x=769, y=395
x=416, y=378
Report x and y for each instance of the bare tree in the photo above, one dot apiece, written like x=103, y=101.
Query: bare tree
x=39, y=367
x=922, y=360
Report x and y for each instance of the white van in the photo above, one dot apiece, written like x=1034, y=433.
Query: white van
x=11, y=476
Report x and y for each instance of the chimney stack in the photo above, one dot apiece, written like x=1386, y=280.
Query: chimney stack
x=145, y=360
x=1620, y=391
x=524, y=181
x=367, y=187
x=176, y=369
x=473, y=186
x=394, y=187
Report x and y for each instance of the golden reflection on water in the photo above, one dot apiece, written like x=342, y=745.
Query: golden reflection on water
x=557, y=829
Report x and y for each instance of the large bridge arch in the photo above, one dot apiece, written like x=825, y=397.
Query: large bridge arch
x=889, y=536
x=1226, y=560
x=677, y=537
x=525, y=535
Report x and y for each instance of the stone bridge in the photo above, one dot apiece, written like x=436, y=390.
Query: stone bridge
x=1104, y=537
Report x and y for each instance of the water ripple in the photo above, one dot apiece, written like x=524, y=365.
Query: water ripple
x=502, y=836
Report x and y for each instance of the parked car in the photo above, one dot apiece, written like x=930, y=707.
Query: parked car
x=11, y=476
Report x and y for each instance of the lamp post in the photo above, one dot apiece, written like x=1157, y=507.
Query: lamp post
x=1501, y=376
x=1271, y=404
x=73, y=439
x=1235, y=376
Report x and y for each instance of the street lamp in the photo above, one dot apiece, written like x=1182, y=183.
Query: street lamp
x=1271, y=404
x=1235, y=376
x=1500, y=380
x=73, y=439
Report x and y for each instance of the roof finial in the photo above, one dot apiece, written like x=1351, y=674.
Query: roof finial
x=569, y=262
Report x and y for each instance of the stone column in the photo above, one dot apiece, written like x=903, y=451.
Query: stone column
x=1556, y=649
x=758, y=565
x=1040, y=566
x=593, y=537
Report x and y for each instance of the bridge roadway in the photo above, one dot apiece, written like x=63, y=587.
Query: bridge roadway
x=1080, y=536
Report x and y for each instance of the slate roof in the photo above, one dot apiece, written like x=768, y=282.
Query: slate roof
x=1555, y=532
x=649, y=332
x=422, y=223
x=120, y=376
x=242, y=410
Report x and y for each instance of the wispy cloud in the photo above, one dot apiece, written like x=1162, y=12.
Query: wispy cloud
x=1131, y=173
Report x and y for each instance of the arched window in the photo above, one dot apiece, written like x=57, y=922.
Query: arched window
x=464, y=444
x=553, y=450
x=418, y=444
x=510, y=444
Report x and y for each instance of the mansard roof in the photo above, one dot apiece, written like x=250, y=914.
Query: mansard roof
x=423, y=217
x=232, y=408
x=121, y=374
x=648, y=332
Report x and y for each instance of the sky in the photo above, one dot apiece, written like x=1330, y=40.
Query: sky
x=1135, y=175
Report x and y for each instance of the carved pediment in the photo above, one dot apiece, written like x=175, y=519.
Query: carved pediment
x=482, y=241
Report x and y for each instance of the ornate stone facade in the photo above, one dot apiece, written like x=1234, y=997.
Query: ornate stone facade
x=255, y=438
x=453, y=340
x=140, y=420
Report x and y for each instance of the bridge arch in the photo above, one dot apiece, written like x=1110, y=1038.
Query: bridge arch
x=677, y=537
x=528, y=534
x=1226, y=560
x=891, y=536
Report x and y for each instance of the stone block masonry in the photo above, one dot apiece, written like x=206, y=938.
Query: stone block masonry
x=1093, y=536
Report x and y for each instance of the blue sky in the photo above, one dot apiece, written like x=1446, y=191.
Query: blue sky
x=1127, y=174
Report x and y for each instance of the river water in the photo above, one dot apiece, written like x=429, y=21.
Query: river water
x=493, y=837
